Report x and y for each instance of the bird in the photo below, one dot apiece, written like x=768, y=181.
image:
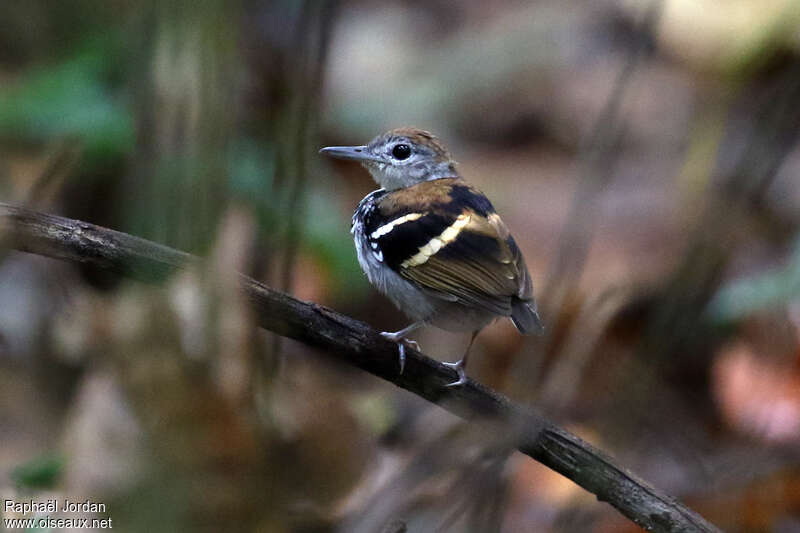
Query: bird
x=434, y=244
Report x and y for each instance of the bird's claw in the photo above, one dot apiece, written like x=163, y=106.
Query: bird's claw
x=458, y=366
x=402, y=342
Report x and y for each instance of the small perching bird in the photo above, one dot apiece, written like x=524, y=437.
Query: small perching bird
x=435, y=245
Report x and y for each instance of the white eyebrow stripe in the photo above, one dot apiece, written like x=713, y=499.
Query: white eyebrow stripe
x=437, y=243
x=386, y=228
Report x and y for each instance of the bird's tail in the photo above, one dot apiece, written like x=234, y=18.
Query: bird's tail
x=525, y=317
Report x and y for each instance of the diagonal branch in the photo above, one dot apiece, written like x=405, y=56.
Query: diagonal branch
x=359, y=345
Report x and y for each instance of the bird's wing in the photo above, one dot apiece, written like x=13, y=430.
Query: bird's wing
x=445, y=237
x=479, y=266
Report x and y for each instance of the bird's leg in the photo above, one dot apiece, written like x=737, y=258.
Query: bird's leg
x=400, y=338
x=461, y=365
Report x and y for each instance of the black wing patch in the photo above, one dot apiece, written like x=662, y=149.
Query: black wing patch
x=405, y=239
x=465, y=196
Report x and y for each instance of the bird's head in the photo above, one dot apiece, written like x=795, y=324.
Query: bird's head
x=400, y=158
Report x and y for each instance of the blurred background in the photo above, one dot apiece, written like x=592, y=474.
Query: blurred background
x=644, y=154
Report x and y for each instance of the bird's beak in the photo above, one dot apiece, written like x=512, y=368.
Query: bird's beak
x=355, y=153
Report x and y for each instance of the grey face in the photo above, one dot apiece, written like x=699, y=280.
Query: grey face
x=397, y=161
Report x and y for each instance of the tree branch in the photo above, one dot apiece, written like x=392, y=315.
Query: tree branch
x=361, y=346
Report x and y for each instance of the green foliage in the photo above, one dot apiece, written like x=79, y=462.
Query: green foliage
x=764, y=291
x=73, y=98
x=327, y=235
x=251, y=177
x=42, y=472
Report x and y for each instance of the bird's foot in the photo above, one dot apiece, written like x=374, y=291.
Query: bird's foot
x=458, y=366
x=402, y=342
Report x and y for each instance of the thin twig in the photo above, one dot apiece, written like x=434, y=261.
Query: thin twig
x=361, y=346
x=595, y=165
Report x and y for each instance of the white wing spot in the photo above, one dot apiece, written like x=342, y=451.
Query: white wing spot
x=437, y=243
x=386, y=228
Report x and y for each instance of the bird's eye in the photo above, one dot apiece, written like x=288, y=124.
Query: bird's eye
x=401, y=151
